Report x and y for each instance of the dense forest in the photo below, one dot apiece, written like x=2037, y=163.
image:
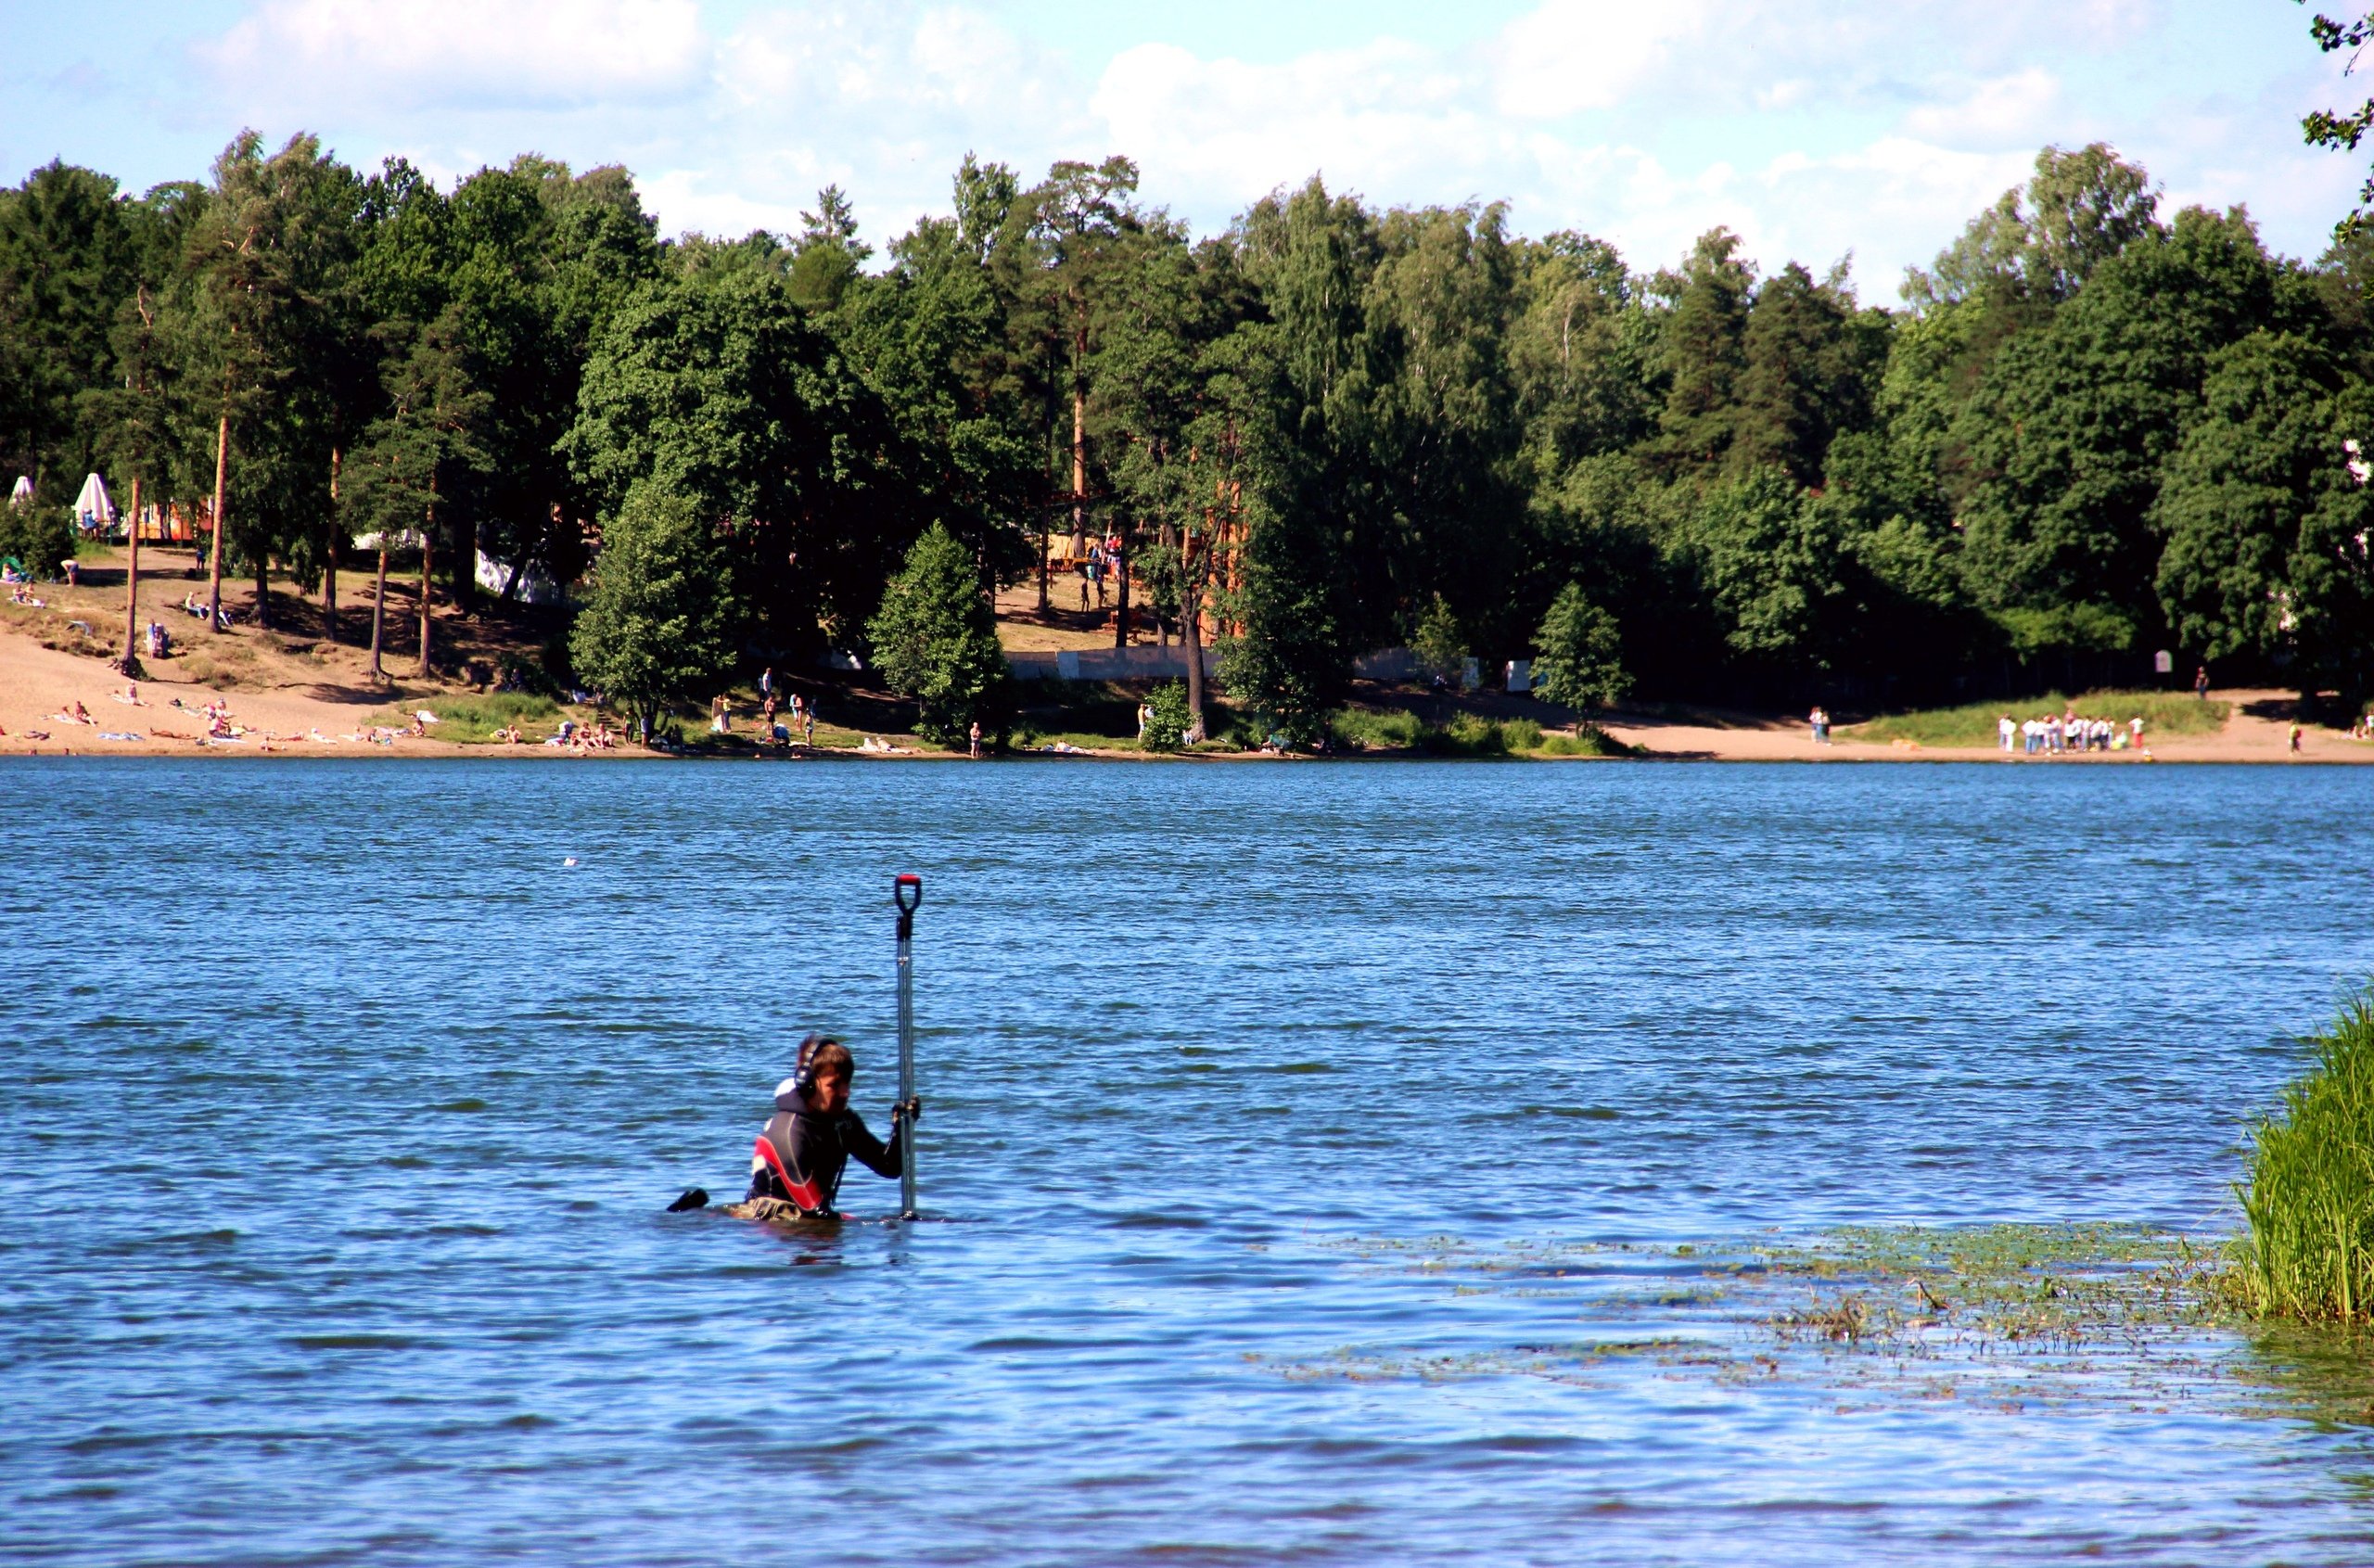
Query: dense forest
x=2091, y=430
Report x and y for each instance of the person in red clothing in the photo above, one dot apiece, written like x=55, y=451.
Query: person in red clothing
x=806, y=1145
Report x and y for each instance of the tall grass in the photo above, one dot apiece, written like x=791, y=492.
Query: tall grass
x=2308, y=1187
x=2164, y=713
x=1468, y=734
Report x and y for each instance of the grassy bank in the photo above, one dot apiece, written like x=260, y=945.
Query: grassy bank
x=474, y=720
x=2164, y=713
x=2308, y=1186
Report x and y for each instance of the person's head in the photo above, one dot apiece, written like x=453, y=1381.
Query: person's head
x=828, y=1067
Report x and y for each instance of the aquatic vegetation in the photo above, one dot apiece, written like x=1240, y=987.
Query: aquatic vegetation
x=2308, y=1186
x=2014, y=1314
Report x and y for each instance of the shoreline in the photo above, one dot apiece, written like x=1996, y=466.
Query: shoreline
x=325, y=721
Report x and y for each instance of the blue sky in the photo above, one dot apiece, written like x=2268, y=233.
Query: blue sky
x=1815, y=129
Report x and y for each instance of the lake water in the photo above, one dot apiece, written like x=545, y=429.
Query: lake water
x=340, y=1116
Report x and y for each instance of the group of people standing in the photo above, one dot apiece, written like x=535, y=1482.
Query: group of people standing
x=778, y=721
x=2064, y=731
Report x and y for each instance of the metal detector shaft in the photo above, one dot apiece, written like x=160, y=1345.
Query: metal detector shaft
x=908, y=894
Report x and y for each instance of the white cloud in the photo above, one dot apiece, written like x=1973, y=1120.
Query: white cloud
x=351, y=57
x=1858, y=124
x=2023, y=107
x=1570, y=56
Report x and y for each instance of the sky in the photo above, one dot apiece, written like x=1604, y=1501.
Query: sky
x=1818, y=129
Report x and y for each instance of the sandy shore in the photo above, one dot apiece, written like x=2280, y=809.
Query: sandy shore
x=2247, y=737
x=37, y=684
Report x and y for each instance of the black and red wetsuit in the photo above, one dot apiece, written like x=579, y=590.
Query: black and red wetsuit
x=801, y=1154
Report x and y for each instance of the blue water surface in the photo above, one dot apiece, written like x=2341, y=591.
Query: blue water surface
x=340, y=1115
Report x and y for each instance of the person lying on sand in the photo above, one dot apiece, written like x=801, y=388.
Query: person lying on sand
x=807, y=1143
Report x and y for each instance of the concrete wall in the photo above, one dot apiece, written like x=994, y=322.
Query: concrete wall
x=1111, y=664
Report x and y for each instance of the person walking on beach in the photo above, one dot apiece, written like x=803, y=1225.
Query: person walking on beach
x=1821, y=722
x=806, y=1145
x=2004, y=730
x=2200, y=684
x=976, y=738
x=2294, y=738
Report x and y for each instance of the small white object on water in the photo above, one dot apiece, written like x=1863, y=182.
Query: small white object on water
x=567, y=862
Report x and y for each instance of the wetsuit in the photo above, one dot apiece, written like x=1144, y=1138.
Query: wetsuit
x=801, y=1154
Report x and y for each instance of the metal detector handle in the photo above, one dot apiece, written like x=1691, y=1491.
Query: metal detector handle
x=907, y=893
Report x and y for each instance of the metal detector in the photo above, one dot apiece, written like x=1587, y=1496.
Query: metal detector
x=908, y=894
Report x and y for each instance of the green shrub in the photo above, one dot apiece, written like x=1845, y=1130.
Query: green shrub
x=1467, y=736
x=2309, y=1184
x=1169, y=720
x=1371, y=730
x=1520, y=734
x=1588, y=740
x=40, y=539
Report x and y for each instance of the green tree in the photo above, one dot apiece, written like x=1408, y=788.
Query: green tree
x=1579, y=661
x=1705, y=351
x=1810, y=359
x=66, y=260
x=931, y=336
x=1439, y=643
x=657, y=624
x=2061, y=445
x=2265, y=522
x=2079, y=210
x=2342, y=129
x=429, y=445
x=935, y=640
x=256, y=329
x=1771, y=561
x=721, y=391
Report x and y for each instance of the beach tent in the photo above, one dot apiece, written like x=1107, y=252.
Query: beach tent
x=23, y=492
x=92, y=505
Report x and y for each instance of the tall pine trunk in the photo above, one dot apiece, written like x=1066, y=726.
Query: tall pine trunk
x=1190, y=629
x=379, y=610
x=1121, y=570
x=427, y=580
x=329, y=572
x=132, y=589
x=222, y=467
x=263, y=590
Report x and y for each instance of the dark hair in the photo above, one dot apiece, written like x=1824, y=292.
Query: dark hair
x=830, y=1056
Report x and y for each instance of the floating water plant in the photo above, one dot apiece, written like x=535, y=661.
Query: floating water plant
x=2308, y=1187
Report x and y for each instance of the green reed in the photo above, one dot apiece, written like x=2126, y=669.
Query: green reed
x=2308, y=1187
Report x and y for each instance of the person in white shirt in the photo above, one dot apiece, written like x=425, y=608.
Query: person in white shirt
x=2004, y=731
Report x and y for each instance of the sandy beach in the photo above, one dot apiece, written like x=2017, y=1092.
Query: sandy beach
x=290, y=698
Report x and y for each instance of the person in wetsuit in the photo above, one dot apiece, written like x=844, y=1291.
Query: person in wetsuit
x=807, y=1143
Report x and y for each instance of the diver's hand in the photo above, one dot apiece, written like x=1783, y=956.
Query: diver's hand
x=910, y=1111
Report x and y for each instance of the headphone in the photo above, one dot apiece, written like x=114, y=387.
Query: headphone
x=803, y=1073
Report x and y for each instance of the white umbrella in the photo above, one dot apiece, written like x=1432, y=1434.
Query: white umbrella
x=24, y=491
x=92, y=502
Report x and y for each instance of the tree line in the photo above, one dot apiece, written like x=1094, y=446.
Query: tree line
x=2090, y=430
